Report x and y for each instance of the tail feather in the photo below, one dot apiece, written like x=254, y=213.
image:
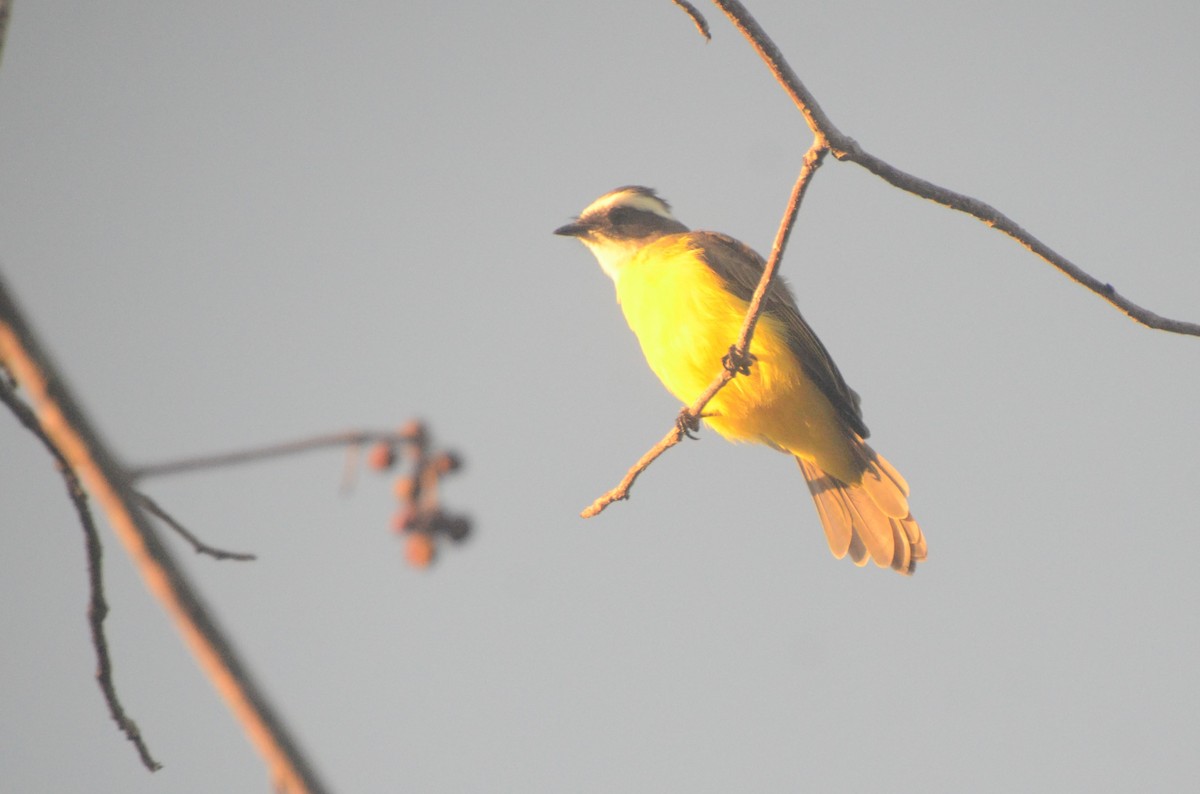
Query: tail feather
x=835, y=516
x=872, y=525
x=858, y=552
x=903, y=559
x=884, y=484
x=867, y=520
x=907, y=527
x=888, y=470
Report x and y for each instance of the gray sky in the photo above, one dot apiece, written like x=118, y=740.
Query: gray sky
x=235, y=224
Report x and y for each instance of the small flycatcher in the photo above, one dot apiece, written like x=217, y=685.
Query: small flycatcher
x=685, y=295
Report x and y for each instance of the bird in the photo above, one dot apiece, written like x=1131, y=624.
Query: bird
x=685, y=296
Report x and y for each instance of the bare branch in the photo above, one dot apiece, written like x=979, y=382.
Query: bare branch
x=622, y=490
x=812, y=161
x=97, y=607
x=349, y=438
x=419, y=513
x=846, y=148
x=818, y=122
x=697, y=18
x=200, y=546
x=739, y=353
x=1001, y=222
x=65, y=424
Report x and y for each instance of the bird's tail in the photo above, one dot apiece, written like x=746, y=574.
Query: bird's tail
x=870, y=518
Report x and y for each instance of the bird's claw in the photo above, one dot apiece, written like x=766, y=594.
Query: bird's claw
x=738, y=362
x=687, y=424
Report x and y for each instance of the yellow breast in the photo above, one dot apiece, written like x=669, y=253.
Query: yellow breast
x=686, y=319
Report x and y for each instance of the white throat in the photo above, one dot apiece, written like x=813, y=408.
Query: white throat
x=613, y=255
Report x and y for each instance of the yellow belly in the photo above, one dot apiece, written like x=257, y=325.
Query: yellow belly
x=686, y=320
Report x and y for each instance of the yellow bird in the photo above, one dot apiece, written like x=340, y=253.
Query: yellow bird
x=685, y=295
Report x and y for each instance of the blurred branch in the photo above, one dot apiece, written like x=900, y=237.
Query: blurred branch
x=844, y=147
x=219, y=459
x=63, y=421
x=739, y=359
x=200, y=546
x=420, y=516
x=97, y=607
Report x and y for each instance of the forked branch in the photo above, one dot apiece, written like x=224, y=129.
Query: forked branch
x=97, y=608
x=200, y=546
x=63, y=422
x=846, y=148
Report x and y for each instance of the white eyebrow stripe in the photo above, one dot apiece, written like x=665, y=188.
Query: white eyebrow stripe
x=627, y=198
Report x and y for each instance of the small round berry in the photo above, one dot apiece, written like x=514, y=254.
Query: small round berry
x=414, y=431
x=403, y=488
x=446, y=462
x=420, y=550
x=382, y=456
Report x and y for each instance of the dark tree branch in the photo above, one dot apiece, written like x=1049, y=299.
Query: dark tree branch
x=697, y=18
x=844, y=147
x=200, y=546
x=97, y=607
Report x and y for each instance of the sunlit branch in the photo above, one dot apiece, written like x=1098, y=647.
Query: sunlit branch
x=844, y=147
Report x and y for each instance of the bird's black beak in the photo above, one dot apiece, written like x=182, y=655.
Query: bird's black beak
x=575, y=229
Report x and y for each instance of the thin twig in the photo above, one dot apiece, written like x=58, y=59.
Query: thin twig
x=62, y=420
x=622, y=490
x=697, y=18
x=200, y=546
x=844, y=147
x=812, y=161
x=1002, y=223
x=220, y=459
x=97, y=608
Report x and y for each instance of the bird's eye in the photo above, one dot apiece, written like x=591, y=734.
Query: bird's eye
x=623, y=216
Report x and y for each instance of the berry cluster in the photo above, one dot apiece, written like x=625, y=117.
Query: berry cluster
x=419, y=516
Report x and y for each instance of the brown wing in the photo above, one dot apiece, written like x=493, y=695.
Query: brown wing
x=741, y=268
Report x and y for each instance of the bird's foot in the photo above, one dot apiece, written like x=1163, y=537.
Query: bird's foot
x=738, y=362
x=687, y=424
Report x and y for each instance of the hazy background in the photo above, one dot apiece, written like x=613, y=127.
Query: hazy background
x=240, y=223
